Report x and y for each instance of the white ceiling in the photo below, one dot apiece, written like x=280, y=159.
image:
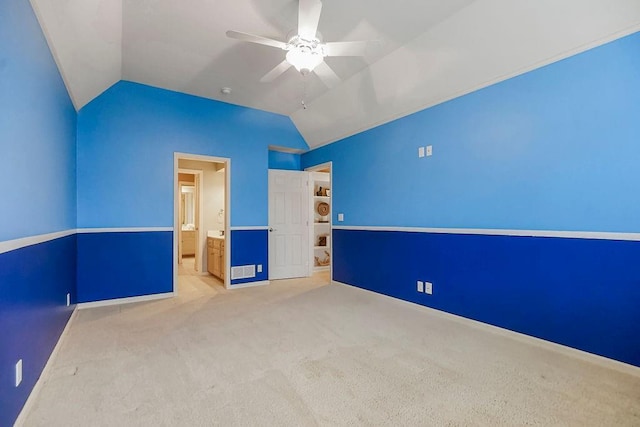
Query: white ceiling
x=429, y=50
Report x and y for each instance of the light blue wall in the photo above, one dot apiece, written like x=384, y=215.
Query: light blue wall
x=37, y=131
x=284, y=161
x=126, y=141
x=557, y=149
x=37, y=176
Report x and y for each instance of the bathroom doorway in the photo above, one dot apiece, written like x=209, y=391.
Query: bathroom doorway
x=201, y=223
x=190, y=213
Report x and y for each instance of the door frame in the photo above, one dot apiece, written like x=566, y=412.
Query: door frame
x=177, y=156
x=317, y=168
x=197, y=183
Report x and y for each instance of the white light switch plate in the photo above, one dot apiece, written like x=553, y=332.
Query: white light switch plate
x=429, y=150
x=340, y=217
x=428, y=288
x=420, y=286
x=259, y=268
x=18, y=372
x=420, y=151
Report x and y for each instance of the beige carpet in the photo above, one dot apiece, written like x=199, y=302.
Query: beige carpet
x=304, y=353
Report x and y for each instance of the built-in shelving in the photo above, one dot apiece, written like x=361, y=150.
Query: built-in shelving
x=322, y=224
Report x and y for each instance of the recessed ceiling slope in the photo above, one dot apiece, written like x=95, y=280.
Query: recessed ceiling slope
x=85, y=37
x=185, y=49
x=489, y=41
x=429, y=50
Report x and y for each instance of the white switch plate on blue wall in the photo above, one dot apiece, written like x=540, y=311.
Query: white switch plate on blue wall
x=18, y=372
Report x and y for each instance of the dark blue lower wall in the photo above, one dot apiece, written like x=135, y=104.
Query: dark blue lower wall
x=250, y=247
x=120, y=265
x=34, y=282
x=582, y=293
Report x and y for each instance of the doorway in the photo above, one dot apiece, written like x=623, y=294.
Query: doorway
x=190, y=213
x=201, y=223
x=321, y=235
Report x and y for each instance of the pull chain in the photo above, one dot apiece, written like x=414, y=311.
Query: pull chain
x=304, y=90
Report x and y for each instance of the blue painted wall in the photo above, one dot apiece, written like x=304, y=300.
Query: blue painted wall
x=38, y=168
x=37, y=131
x=126, y=143
x=554, y=149
x=577, y=292
x=250, y=247
x=285, y=161
x=34, y=282
x=121, y=265
x=126, y=140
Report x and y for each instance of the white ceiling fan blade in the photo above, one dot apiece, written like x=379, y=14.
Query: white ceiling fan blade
x=327, y=75
x=256, y=39
x=276, y=72
x=358, y=48
x=308, y=18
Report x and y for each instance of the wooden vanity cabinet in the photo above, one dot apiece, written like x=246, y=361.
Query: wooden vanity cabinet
x=188, y=242
x=215, y=257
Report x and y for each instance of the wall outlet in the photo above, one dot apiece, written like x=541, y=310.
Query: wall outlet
x=68, y=300
x=420, y=286
x=259, y=268
x=340, y=217
x=429, y=150
x=18, y=372
x=428, y=288
x=420, y=151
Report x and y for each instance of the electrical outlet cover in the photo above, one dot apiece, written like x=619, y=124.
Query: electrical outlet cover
x=429, y=150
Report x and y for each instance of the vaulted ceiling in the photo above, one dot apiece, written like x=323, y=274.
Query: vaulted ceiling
x=428, y=51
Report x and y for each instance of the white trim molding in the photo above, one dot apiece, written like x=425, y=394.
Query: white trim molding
x=128, y=300
x=250, y=284
x=123, y=230
x=600, y=235
x=12, y=245
x=518, y=336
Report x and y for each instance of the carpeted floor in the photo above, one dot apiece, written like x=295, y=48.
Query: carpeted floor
x=304, y=353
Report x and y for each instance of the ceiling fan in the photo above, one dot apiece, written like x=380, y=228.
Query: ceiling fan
x=305, y=51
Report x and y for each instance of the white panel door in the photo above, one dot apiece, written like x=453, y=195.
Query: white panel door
x=289, y=249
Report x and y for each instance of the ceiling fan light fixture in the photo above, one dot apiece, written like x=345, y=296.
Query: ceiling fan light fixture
x=304, y=55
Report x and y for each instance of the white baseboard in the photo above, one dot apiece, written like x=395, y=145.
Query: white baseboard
x=127, y=300
x=524, y=338
x=249, y=284
x=44, y=374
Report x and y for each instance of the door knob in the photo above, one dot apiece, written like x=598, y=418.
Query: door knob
x=271, y=230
